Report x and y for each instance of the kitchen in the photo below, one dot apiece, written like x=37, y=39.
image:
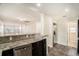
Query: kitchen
x=20, y=25
x=26, y=29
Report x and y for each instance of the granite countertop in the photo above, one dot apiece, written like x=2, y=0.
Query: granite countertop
x=4, y=35
x=10, y=45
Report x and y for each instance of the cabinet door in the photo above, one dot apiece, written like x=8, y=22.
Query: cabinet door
x=8, y=52
x=78, y=39
x=39, y=48
x=44, y=47
x=78, y=47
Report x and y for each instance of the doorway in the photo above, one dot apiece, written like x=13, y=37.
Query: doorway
x=54, y=34
x=72, y=34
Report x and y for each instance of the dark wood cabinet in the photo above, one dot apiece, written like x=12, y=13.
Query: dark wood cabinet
x=78, y=47
x=25, y=50
x=9, y=52
x=44, y=47
x=78, y=28
x=34, y=49
x=39, y=48
x=78, y=39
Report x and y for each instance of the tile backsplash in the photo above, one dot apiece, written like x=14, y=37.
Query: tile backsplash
x=7, y=39
x=4, y=40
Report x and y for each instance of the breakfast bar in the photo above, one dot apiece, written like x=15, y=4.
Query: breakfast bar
x=23, y=45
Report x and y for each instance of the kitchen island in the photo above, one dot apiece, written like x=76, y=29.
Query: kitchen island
x=32, y=44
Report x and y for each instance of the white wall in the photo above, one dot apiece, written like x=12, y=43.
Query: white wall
x=49, y=29
x=45, y=27
x=62, y=35
x=62, y=31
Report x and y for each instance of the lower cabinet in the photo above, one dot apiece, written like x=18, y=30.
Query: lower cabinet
x=39, y=48
x=78, y=47
x=34, y=49
x=23, y=50
x=8, y=52
x=44, y=51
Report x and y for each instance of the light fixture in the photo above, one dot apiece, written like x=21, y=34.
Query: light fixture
x=21, y=18
x=38, y=4
x=66, y=9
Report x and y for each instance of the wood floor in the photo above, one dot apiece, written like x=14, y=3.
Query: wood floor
x=61, y=50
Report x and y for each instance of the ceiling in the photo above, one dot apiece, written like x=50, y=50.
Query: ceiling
x=17, y=12
x=31, y=12
x=59, y=11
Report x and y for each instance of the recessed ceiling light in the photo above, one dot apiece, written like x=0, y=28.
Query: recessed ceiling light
x=66, y=9
x=38, y=4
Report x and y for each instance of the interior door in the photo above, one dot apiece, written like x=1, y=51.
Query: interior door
x=72, y=36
